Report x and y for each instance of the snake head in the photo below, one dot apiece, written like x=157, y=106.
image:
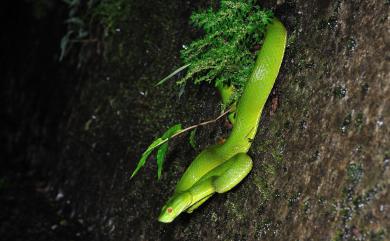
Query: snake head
x=175, y=205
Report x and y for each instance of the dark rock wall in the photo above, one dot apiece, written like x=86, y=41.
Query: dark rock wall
x=321, y=155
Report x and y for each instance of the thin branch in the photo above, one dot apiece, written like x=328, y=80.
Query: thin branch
x=201, y=124
x=195, y=126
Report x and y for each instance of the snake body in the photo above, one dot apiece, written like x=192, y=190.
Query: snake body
x=219, y=168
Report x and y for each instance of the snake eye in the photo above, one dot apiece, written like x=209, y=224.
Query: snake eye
x=169, y=210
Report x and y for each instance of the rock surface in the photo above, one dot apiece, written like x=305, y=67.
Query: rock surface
x=321, y=156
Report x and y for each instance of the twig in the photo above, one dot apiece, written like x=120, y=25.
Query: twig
x=201, y=124
x=195, y=126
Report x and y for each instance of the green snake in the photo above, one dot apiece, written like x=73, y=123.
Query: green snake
x=219, y=168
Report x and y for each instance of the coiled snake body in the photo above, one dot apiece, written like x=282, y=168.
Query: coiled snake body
x=219, y=168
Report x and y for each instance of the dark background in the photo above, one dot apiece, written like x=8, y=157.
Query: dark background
x=35, y=91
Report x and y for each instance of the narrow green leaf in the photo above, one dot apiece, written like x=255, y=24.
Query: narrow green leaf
x=172, y=74
x=182, y=88
x=162, y=150
x=161, y=153
x=146, y=154
x=171, y=131
x=75, y=20
x=191, y=139
x=64, y=45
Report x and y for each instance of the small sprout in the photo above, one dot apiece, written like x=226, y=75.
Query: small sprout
x=191, y=139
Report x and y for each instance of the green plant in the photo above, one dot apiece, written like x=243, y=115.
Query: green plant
x=83, y=15
x=225, y=55
x=161, y=144
x=76, y=28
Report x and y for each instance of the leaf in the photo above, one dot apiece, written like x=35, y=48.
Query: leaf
x=191, y=139
x=162, y=150
x=64, y=45
x=146, y=154
x=72, y=3
x=75, y=20
x=161, y=153
x=171, y=131
x=82, y=34
x=172, y=74
x=182, y=88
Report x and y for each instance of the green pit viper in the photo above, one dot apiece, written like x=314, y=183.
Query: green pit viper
x=219, y=168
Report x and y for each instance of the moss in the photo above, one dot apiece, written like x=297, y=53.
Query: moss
x=263, y=228
x=225, y=55
x=332, y=23
x=294, y=198
x=354, y=173
x=268, y=169
x=234, y=209
x=359, y=120
x=111, y=13
x=351, y=44
x=213, y=217
x=351, y=205
x=306, y=206
x=377, y=235
x=346, y=124
x=364, y=89
x=292, y=38
x=340, y=92
x=264, y=187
